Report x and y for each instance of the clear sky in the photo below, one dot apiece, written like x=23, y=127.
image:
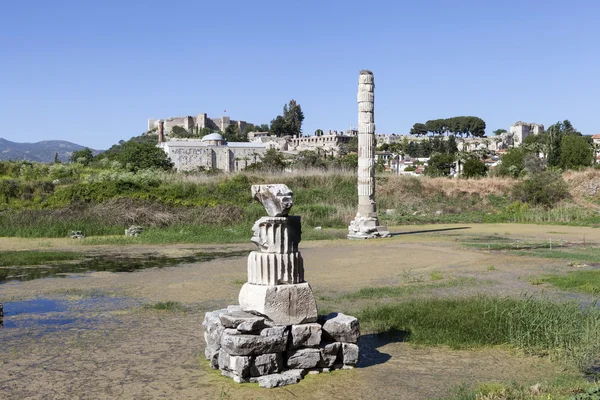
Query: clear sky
x=93, y=72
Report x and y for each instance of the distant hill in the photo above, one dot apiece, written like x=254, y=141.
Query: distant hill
x=43, y=151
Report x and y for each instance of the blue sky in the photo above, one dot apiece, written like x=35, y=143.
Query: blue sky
x=93, y=72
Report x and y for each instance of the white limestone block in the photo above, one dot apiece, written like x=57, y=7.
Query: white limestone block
x=366, y=107
x=289, y=377
x=365, y=117
x=366, y=129
x=266, y=364
x=242, y=321
x=277, y=234
x=350, y=353
x=340, y=327
x=283, y=304
x=239, y=365
x=303, y=358
x=305, y=335
x=246, y=345
x=329, y=354
x=366, y=97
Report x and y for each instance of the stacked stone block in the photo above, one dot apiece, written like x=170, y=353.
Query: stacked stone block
x=251, y=348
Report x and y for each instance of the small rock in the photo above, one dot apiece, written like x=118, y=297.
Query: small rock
x=438, y=212
x=318, y=228
x=77, y=235
x=339, y=327
x=289, y=377
x=350, y=353
x=134, y=230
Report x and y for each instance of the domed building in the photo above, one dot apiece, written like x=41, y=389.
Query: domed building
x=212, y=152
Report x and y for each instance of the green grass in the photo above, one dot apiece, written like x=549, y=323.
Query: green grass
x=563, y=330
x=19, y=258
x=563, y=387
x=165, y=306
x=578, y=281
x=406, y=290
x=590, y=254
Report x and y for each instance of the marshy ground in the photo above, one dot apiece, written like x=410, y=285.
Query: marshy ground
x=91, y=331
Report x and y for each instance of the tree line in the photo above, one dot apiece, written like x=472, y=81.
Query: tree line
x=457, y=126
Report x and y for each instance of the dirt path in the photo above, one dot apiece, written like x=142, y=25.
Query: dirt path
x=126, y=351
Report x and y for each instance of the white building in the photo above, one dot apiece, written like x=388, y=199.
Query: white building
x=212, y=152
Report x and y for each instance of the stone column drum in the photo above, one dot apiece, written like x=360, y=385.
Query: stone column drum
x=366, y=225
x=276, y=286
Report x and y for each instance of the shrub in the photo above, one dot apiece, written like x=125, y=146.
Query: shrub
x=474, y=168
x=546, y=189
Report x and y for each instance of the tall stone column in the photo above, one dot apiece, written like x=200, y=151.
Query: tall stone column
x=161, y=131
x=366, y=225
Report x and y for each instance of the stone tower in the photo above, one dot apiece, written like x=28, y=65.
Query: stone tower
x=366, y=225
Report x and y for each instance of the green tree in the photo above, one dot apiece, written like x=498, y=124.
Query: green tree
x=232, y=134
x=293, y=116
x=473, y=168
x=278, y=126
x=418, y=129
x=499, y=132
x=353, y=145
x=179, y=132
x=556, y=133
x=511, y=163
x=439, y=165
x=84, y=156
x=319, y=132
x=575, y=152
x=452, y=146
x=56, y=159
x=137, y=156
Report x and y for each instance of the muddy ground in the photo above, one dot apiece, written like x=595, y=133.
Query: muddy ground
x=98, y=341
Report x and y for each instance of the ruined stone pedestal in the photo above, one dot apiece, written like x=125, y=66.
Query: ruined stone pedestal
x=273, y=337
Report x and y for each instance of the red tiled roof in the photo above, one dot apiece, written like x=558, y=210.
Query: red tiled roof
x=596, y=136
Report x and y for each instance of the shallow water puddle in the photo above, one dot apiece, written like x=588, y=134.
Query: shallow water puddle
x=50, y=314
x=116, y=264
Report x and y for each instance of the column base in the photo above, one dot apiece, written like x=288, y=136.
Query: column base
x=283, y=304
x=366, y=228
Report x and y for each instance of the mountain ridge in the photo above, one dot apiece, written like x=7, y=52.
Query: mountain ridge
x=42, y=151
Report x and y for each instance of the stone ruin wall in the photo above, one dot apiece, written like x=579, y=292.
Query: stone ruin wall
x=222, y=158
x=197, y=123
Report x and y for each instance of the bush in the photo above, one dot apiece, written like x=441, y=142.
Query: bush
x=474, y=168
x=512, y=163
x=439, y=165
x=546, y=189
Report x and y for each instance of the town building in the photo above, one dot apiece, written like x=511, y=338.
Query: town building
x=212, y=152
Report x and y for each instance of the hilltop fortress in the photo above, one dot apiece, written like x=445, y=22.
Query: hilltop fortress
x=195, y=124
